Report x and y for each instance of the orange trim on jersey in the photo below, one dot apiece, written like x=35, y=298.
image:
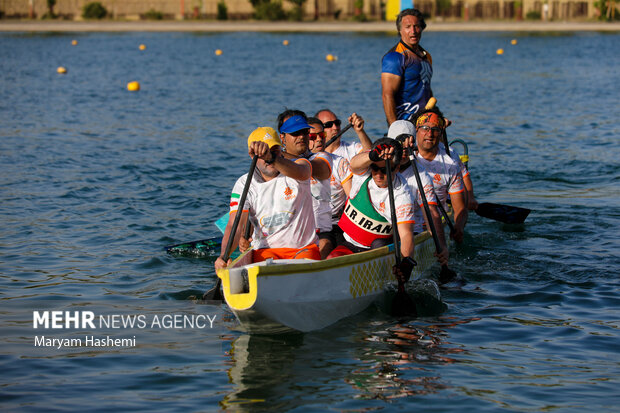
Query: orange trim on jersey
x=242, y=211
x=326, y=161
x=347, y=178
x=405, y=222
x=457, y=192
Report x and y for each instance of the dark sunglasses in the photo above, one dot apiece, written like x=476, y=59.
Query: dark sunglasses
x=331, y=123
x=300, y=132
x=313, y=136
x=375, y=168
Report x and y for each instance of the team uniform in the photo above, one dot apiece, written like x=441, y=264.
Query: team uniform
x=348, y=150
x=341, y=172
x=367, y=215
x=431, y=198
x=415, y=72
x=282, y=215
x=445, y=173
x=321, y=195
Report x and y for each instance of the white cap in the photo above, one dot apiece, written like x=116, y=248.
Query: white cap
x=399, y=127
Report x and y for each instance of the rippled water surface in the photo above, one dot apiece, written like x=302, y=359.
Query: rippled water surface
x=96, y=180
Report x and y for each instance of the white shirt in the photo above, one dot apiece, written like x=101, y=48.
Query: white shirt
x=431, y=198
x=341, y=172
x=280, y=211
x=348, y=150
x=379, y=197
x=321, y=195
x=445, y=174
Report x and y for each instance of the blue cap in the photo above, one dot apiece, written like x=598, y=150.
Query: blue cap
x=294, y=124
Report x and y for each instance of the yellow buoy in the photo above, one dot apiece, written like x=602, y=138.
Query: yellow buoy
x=142, y=47
x=500, y=51
x=331, y=58
x=285, y=42
x=513, y=41
x=218, y=52
x=133, y=86
x=61, y=70
x=74, y=42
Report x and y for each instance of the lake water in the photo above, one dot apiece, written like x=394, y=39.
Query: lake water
x=96, y=180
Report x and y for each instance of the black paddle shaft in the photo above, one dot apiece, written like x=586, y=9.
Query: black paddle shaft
x=244, y=195
x=214, y=293
x=339, y=134
x=427, y=209
x=388, y=169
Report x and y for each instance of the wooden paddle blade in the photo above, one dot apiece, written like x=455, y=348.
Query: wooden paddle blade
x=502, y=213
x=215, y=293
x=403, y=305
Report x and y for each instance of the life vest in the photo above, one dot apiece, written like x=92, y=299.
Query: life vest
x=361, y=221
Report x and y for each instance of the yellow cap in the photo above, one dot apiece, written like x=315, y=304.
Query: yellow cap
x=265, y=134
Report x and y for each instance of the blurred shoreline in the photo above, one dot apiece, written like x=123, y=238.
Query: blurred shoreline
x=292, y=27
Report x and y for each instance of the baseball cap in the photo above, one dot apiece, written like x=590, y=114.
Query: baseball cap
x=265, y=134
x=400, y=127
x=294, y=124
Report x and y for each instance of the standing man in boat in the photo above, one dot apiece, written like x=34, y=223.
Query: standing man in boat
x=366, y=221
x=337, y=187
x=279, y=204
x=406, y=70
x=443, y=169
x=331, y=125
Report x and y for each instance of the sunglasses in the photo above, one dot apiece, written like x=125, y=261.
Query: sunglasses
x=313, y=136
x=434, y=129
x=375, y=168
x=331, y=123
x=300, y=132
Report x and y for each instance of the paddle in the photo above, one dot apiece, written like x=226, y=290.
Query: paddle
x=502, y=213
x=336, y=136
x=216, y=293
x=446, y=274
x=498, y=212
x=402, y=303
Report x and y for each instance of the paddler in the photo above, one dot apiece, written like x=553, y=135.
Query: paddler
x=404, y=132
x=366, y=221
x=445, y=171
x=337, y=188
x=332, y=124
x=406, y=70
x=279, y=203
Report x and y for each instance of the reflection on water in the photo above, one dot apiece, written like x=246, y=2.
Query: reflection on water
x=400, y=357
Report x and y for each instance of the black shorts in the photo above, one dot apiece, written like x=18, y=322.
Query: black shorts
x=334, y=236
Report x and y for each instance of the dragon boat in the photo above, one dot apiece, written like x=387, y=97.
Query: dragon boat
x=305, y=295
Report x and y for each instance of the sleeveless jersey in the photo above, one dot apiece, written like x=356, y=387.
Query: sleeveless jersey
x=415, y=73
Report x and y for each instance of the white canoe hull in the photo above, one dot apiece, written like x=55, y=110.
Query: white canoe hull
x=306, y=295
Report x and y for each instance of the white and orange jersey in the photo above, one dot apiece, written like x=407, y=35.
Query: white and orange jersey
x=321, y=195
x=456, y=158
x=379, y=197
x=409, y=176
x=348, y=150
x=280, y=211
x=341, y=172
x=445, y=173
